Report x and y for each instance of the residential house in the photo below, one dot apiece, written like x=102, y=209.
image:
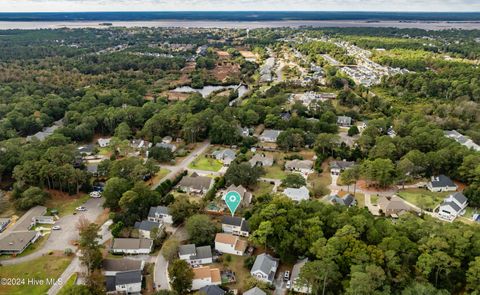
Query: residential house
x=160, y=214
x=43, y=219
x=230, y=244
x=4, y=222
x=168, y=146
x=462, y=139
x=86, y=150
x=140, y=144
x=393, y=206
x=265, y=268
x=146, y=227
x=111, y=267
x=16, y=242
x=131, y=246
x=344, y=121
x=261, y=160
x=167, y=139
x=303, y=166
x=128, y=282
x=441, y=183
x=195, y=255
x=211, y=290
x=46, y=132
x=391, y=132
x=244, y=194
x=255, y=291
x=205, y=276
x=195, y=184
x=270, y=135
x=245, y=131
x=337, y=167
x=297, y=194
x=297, y=286
x=29, y=219
x=226, y=156
x=104, y=142
x=235, y=225
x=452, y=206
x=347, y=200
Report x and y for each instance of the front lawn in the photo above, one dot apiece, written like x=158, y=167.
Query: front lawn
x=262, y=188
x=206, y=164
x=360, y=200
x=159, y=176
x=64, y=203
x=66, y=286
x=275, y=172
x=45, y=267
x=236, y=265
x=423, y=198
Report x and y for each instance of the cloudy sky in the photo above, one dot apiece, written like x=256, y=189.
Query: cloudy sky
x=175, y=5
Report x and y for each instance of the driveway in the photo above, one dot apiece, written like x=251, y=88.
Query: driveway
x=174, y=170
x=59, y=240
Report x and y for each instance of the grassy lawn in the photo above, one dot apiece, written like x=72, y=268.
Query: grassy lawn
x=241, y=273
x=206, y=164
x=66, y=204
x=374, y=199
x=106, y=151
x=360, y=200
x=262, y=188
x=320, y=181
x=45, y=267
x=159, y=176
x=274, y=172
x=68, y=284
x=423, y=198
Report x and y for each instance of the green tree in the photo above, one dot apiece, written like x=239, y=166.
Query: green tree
x=181, y=276
x=243, y=174
x=123, y=131
x=473, y=275
x=113, y=191
x=319, y=274
x=294, y=180
x=352, y=131
x=379, y=171
x=88, y=244
x=170, y=249
x=201, y=230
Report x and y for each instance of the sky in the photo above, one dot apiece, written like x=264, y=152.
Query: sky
x=255, y=5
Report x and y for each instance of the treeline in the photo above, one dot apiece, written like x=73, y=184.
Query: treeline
x=314, y=49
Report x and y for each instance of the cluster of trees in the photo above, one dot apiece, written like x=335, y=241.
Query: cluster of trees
x=351, y=252
x=314, y=49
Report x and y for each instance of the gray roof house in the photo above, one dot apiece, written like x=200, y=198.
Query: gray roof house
x=244, y=194
x=160, y=214
x=195, y=255
x=336, y=167
x=264, y=268
x=270, y=135
x=195, y=184
x=211, y=290
x=296, y=285
x=261, y=160
x=452, y=206
x=303, y=166
x=4, y=222
x=167, y=146
x=16, y=242
x=347, y=200
x=131, y=246
x=235, y=225
x=128, y=282
x=145, y=227
x=226, y=156
x=441, y=183
x=344, y=121
x=114, y=266
x=297, y=194
x=254, y=291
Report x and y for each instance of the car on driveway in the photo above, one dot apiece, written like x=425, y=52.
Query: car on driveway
x=289, y=285
x=56, y=227
x=81, y=208
x=96, y=194
x=286, y=276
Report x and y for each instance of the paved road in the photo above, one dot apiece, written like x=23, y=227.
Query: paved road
x=174, y=170
x=59, y=240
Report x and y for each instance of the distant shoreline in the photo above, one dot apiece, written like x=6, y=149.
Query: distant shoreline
x=419, y=24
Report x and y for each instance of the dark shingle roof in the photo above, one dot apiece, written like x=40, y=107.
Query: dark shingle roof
x=121, y=264
x=442, y=181
x=459, y=197
x=211, y=290
x=159, y=210
x=146, y=225
x=236, y=221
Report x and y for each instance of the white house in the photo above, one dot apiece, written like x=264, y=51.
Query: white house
x=265, y=268
x=104, y=142
x=128, y=282
x=297, y=194
x=235, y=225
x=452, y=206
x=441, y=183
x=230, y=244
x=195, y=255
x=131, y=246
x=160, y=214
x=205, y=276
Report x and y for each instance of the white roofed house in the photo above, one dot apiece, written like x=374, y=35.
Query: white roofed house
x=305, y=167
x=297, y=285
x=265, y=268
x=270, y=135
x=195, y=255
x=160, y=214
x=226, y=156
x=452, y=206
x=344, y=121
x=297, y=194
x=104, y=142
x=441, y=183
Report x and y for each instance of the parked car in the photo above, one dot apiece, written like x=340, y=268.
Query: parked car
x=56, y=227
x=96, y=194
x=81, y=208
x=286, y=276
x=289, y=285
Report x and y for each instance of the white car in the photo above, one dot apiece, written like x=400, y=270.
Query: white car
x=95, y=194
x=81, y=208
x=56, y=227
x=289, y=285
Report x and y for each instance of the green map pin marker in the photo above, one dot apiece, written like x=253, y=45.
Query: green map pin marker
x=233, y=199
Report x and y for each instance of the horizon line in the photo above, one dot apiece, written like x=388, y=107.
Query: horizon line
x=263, y=11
